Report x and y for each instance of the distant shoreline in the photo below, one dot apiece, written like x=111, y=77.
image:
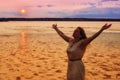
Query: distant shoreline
x=57, y=19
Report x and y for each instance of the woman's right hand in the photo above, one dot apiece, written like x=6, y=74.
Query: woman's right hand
x=106, y=26
x=54, y=26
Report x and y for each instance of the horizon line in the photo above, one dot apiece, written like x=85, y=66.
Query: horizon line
x=59, y=19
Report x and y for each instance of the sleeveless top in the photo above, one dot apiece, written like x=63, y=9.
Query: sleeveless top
x=75, y=49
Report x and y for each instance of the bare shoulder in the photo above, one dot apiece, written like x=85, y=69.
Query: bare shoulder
x=85, y=42
x=70, y=40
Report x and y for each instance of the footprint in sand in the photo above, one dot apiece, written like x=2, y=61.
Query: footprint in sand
x=118, y=76
x=106, y=76
x=28, y=75
x=93, y=73
x=49, y=74
x=34, y=50
x=117, y=63
x=38, y=65
x=36, y=74
x=51, y=51
x=106, y=68
x=58, y=71
x=65, y=60
x=18, y=78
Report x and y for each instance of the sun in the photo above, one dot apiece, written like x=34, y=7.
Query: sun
x=22, y=11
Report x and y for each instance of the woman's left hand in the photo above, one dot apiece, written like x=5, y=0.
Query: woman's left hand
x=54, y=26
x=106, y=26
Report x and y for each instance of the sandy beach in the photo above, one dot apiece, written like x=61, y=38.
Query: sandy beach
x=38, y=53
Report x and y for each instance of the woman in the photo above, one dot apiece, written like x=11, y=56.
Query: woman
x=76, y=49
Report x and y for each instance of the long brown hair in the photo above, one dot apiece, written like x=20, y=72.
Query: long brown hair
x=82, y=32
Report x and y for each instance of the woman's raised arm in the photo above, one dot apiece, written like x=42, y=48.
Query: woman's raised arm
x=66, y=38
x=104, y=27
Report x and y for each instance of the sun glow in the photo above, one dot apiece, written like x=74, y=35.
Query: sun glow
x=22, y=11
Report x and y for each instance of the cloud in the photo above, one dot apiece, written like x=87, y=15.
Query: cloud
x=108, y=4
x=92, y=4
x=42, y=6
x=108, y=0
x=61, y=8
x=88, y=13
x=11, y=14
x=49, y=5
x=29, y=6
x=39, y=6
x=58, y=14
x=97, y=13
x=32, y=6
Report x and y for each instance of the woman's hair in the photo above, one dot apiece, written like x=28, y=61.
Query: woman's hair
x=82, y=32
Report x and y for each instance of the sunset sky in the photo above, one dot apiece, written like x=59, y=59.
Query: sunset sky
x=60, y=8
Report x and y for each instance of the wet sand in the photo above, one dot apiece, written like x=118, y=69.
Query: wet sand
x=35, y=56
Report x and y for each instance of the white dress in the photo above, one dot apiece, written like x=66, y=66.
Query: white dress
x=76, y=69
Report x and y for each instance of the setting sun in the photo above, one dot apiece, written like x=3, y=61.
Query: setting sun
x=22, y=11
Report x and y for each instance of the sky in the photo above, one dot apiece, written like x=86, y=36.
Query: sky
x=60, y=8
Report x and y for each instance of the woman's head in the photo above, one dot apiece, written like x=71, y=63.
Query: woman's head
x=79, y=33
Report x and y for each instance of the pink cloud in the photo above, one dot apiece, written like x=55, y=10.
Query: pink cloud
x=41, y=8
